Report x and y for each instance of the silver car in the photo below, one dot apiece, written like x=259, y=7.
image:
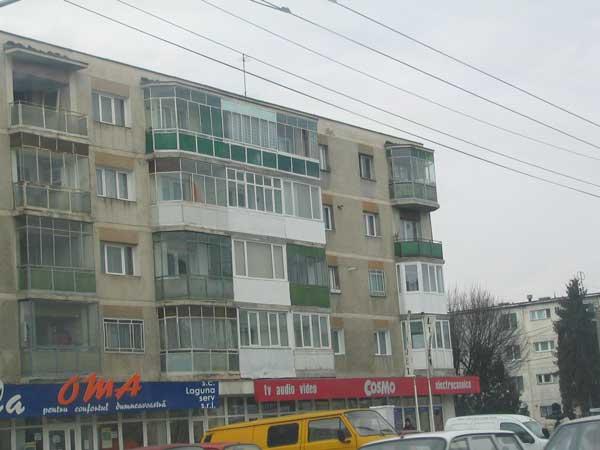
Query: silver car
x=450, y=440
x=580, y=434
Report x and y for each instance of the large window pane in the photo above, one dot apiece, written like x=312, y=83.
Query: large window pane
x=260, y=264
x=302, y=200
x=278, y=260
x=411, y=272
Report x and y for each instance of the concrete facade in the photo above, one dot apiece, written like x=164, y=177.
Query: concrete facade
x=173, y=230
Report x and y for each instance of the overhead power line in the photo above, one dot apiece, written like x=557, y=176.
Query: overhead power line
x=463, y=62
x=320, y=100
x=424, y=72
x=395, y=86
x=343, y=94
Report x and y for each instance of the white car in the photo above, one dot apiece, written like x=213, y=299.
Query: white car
x=450, y=440
x=579, y=434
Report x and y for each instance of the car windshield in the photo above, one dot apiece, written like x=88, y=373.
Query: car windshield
x=535, y=428
x=369, y=423
x=578, y=436
x=408, y=444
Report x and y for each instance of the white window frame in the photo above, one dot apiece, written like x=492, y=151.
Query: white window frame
x=375, y=232
x=101, y=190
x=388, y=342
x=511, y=355
x=372, y=291
x=310, y=322
x=131, y=323
x=328, y=220
x=334, y=279
x=439, y=275
x=260, y=343
x=112, y=99
x=315, y=215
x=543, y=346
x=340, y=339
x=324, y=158
x=362, y=157
x=122, y=247
x=438, y=338
x=542, y=377
x=283, y=247
x=407, y=334
x=535, y=314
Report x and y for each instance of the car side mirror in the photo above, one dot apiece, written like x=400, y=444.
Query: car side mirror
x=546, y=433
x=342, y=436
x=526, y=438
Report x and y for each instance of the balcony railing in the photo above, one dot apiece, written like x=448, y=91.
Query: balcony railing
x=39, y=116
x=50, y=197
x=59, y=362
x=61, y=279
x=418, y=248
x=413, y=190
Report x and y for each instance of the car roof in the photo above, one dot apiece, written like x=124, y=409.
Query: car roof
x=582, y=419
x=517, y=417
x=446, y=435
x=288, y=418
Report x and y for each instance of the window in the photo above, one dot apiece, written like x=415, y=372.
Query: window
x=258, y=260
x=377, y=283
x=459, y=444
x=324, y=157
x=508, y=443
x=328, y=217
x=545, y=410
x=539, y=314
x=326, y=429
x=114, y=183
x=481, y=443
x=521, y=432
x=518, y=383
x=108, y=109
x=334, y=280
x=123, y=335
x=366, y=166
x=311, y=330
x=546, y=378
x=543, y=346
x=372, y=224
x=433, y=278
x=337, y=342
x=417, y=334
x=306, y=265
x=117, y=259
x=263, y=329
x=509, y=321
x=442, y=335
x=254, y=191
x=280, y=435
x=411, y=277
x=513, y=353
x=383, y=345
x=198, y=339
x=411, y=229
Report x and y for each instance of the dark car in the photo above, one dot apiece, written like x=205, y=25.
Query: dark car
x=206, y=446
x=579, y=434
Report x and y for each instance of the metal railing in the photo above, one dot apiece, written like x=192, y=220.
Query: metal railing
x=60, y=279
x=59, y=361
x=418, y=247
x=40, y=116
x=50, y=197
x=412, y=189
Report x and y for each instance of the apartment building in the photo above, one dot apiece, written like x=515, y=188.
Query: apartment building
x=179, y=257
x=536, y=372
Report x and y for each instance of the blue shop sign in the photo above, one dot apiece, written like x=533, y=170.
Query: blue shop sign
x=90, y=396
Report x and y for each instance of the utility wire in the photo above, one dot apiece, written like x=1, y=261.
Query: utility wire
x=370, y=105
x=463, y=62
x=341, y=108
x=424, y=72
x=395, y=86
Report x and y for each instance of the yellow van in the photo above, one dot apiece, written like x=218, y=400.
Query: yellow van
x=323, y=430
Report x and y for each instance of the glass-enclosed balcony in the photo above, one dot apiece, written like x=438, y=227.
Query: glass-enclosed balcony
x=418, y=248
x=180, y=118
x=48, y=197
x=23, y=114
x=412, y=177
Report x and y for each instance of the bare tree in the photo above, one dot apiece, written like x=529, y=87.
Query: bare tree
x=484, y=339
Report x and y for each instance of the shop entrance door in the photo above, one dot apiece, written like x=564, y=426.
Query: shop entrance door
x=62, y=439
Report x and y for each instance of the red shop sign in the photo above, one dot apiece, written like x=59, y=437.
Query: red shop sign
x=326, y=388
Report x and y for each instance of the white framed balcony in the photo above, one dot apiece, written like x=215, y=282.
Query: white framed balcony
x=30, y=115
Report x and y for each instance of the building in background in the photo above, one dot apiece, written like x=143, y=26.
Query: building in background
x=179, y=257
x=536, y=372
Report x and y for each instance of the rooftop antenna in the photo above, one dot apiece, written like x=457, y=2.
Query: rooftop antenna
x=581, y=277
x=244, y=70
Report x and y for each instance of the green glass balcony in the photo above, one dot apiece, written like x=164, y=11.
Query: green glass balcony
x=418, y=248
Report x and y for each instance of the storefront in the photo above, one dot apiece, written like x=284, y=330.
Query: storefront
x=88, y=413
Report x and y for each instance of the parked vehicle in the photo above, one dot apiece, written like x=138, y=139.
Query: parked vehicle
x=450, y=440
x=530, y=433
x=578, y=434
x=324, y=430
x=391, y=413
x=208, y=446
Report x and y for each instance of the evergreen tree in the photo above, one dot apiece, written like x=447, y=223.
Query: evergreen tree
x=578, y=357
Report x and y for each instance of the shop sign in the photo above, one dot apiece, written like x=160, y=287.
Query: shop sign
x=327, y=388
x=92, y=395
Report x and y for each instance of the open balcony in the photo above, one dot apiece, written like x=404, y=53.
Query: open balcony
x=24, y=114
x=415, y=248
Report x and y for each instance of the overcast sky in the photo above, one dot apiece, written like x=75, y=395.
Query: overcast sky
x=510, y=234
